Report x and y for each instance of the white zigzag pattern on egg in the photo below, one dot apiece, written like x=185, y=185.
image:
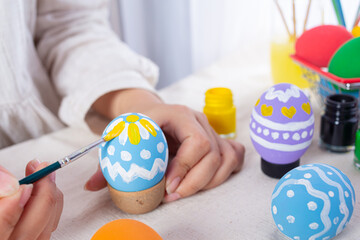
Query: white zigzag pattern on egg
x=283, y=96
x=135, y=171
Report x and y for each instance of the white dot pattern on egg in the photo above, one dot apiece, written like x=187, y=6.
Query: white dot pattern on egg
x=313, y=201
x=126, y=156
x=266, y=132
x=160, y=147
x=111, y=150
x=145, y=154
x=137, y=159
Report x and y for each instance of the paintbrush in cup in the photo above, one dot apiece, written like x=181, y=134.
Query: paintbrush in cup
x=339, y=12
x=70, y=158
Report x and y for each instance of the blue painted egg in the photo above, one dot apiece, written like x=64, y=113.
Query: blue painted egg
x=313, y=201
x=137, y=159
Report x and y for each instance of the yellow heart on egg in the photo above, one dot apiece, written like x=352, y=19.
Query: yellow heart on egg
x=306, y=107
x=288, y=112
x=266, y=110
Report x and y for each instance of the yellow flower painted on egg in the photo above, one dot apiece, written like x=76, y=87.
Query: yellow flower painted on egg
x=135, y=127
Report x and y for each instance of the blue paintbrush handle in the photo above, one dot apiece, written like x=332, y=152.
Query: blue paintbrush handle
x=40, y=174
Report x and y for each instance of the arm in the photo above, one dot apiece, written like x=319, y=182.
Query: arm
x=84, y=58
x=202, y=159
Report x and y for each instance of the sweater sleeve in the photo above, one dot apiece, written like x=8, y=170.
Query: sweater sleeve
x=84, y=57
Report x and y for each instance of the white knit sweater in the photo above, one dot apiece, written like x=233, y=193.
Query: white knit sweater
x=56, y=58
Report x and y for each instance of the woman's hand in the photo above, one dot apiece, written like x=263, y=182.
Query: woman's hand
x=201, y=159
x=29, y=211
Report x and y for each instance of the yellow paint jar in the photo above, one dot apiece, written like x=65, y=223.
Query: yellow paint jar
x=220, y=111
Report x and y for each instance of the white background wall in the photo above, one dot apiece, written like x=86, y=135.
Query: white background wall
x=183, y=36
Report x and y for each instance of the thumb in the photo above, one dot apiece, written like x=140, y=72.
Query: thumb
x=8, y=183
x=96, y=181
x=12, y=201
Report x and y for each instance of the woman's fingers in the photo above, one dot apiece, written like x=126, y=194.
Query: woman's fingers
x=195, y=144
x=240, y=154
x=59, y=209
x=8, y=183
x=232, y=154
x=199, y=176
x=190, y=152
x=12, y=202
x=96, y=181
x=54, y=219
x=203, y=160
x=44, y=203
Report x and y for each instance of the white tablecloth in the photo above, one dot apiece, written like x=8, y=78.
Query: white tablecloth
x=238, y=209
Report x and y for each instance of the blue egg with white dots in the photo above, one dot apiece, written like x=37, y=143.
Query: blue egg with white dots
x=313, y=201
x=136, y=159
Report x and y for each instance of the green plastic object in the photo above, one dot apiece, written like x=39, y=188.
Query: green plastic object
x=346, y=61
x=357, y=150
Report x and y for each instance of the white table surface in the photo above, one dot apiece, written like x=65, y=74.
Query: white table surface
x=237, y=209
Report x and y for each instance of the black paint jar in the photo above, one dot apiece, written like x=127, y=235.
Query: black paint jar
x=339, y=123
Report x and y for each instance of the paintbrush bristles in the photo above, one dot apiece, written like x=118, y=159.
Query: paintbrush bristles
x=116, y=131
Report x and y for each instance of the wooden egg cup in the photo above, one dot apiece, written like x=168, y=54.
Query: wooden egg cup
x=138, y=202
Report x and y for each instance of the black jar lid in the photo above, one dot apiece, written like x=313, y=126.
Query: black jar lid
x=341, y=106
x=341, y=101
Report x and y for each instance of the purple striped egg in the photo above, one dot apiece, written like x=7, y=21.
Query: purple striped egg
x=282, y=124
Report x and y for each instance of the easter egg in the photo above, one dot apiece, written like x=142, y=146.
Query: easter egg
x=282, y=124
x=346, y=61
x=313, y=201
x=318, y=44
x=137, y=159
x=125, y=229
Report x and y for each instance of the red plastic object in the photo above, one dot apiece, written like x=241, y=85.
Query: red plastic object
x=317, y=45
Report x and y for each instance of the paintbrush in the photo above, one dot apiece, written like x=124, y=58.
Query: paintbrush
x=70, y=158
x=339, y=12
